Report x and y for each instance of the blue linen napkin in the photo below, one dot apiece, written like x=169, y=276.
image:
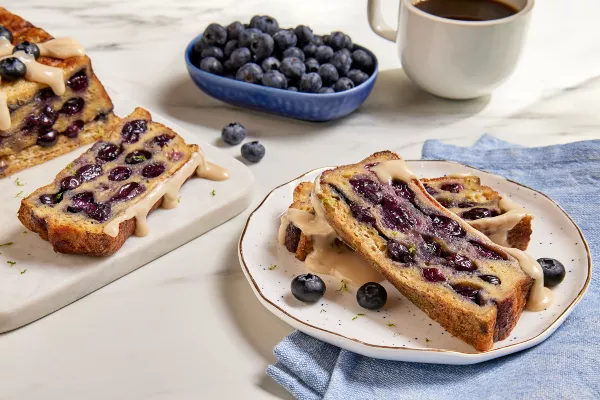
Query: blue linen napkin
x=564, y=366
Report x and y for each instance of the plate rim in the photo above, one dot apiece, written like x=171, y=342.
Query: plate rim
x=493, y=353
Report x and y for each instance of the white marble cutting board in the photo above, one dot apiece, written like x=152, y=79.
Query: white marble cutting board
x=41, y=281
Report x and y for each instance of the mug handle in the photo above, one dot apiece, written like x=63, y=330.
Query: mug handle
x=378, y=25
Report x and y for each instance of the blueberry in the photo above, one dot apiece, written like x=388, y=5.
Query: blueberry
x=261, y=46
x=292, y=67
x=399, y=252
x=401, y=188
x=318, y=40
x=28, y=48
x=88, y=172
x=396, y=217
x=292, y=88
x=73, y=129
x=234, y=29
x=367, y=188
x=274, y=79
x=47, y=117
x=357, y=76
x=310, y=83
x=108, y=151
x=69, y=183
x=431, y=246
x=253, y=151
x=153, y=170
x=47, y=138
x=308, y=288
x=247, y=36
x=433, y=275
x=230, y=46
x=138, y=156
x=470, y=292
x=430, y=190
x=211, y=65
x=363, y=61
x=328, y=74
x=82, y=201
x=200, y=45
x=100, y=212
x=162, y=140
x=212, y=51
x=460, y=263
x=304, y=34
x=325, y=90
x=49, y=199
x=265, y=23
x=371, y=296
x=447, y=225
x=215, y=35
x=73, y=106
x=250, y=73
x=336, y=40
x=270, y=64
x=78, y=82
x=493, y=279
x=478, y=213
x=284, y=39
x=343, y=84
x=362, y=214
x=5, y=33
x=239, y=57
x=348, y=43
x=132, y=130
x=554, y=271
x=128, y=191
x=233, y=133
x=12, y=68
x=119, y=174
x=310, y=50
x=485, y=251
x=312, y=65
x=341, y=61
x=452, y=187
x=323, y=54
x=293, y=52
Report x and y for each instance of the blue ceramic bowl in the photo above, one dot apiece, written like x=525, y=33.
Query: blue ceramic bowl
x=305, y=106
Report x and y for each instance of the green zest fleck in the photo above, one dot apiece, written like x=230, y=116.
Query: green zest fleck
x=59, y=197
x=214, y=192
x=344, y=287
x=396, y=334
x=427, y=340
x=272, y=267
x=179, y=199
x=7, y=244
x=358, y=315
x=18, y=183
x=11, y=263
x=139, y=158
x=70, y=167
x=19, y=194
x=391, y=325
x=412, y=249
x=25, y=270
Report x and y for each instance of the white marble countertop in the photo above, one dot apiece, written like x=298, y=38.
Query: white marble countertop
x=187, y=325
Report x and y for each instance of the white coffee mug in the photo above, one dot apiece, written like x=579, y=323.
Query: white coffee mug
x=453, y=58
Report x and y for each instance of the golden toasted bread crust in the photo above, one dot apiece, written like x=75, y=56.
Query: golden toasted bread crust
x=477, y=325
x=72, y=237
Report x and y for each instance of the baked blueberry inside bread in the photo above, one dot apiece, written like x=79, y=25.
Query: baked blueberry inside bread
x=471, y=286
x=503, y=221
x=57, y=106
x=103, y=197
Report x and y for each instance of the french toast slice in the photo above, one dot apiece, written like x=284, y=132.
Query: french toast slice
x=44, y=125
x=454, y=273
x=104, y=196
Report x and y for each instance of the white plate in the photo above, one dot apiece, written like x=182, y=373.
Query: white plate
x=52, y=280
x=413, y=336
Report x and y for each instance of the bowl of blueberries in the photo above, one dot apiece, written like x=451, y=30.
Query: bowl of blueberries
x=290, y=72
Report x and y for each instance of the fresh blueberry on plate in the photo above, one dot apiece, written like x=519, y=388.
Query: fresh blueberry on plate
x=308, y=288
x=341, y=61
x=270, y=64
x=274, y=79
x=326, y=89
x=261, y=46
x=215, y=35
x=323, y=54
x=233, y=133
x=247, y=35
x=554, y=271
x=250, y=73
x=212, y=51
x=357, y=76
x=293, y=52
x=310, y=83
x=362, y=60
x=292, y=67
x=310, y=50
x=234, y=29
x=312, y=65
x=328, y=74
x=29, y=48
x=12, y=68
x=212, y=65
x=343, y=84
x=253, y=151
x=304, y=34
x=239, y=57
x=371, y=296
x=284, y=39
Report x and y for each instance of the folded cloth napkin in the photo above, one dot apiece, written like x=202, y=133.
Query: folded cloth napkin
x=564, y=366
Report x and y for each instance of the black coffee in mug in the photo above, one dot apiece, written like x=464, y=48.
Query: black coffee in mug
x=467, y=10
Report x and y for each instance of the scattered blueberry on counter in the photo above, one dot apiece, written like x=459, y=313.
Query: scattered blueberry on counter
x=253, y=151
x=554, y=271
x=304, y=61
x=308, y=288
x=371, y=296
x=233, y=133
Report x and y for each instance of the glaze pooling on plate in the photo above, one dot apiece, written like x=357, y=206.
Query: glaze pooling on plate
x=400, y=331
